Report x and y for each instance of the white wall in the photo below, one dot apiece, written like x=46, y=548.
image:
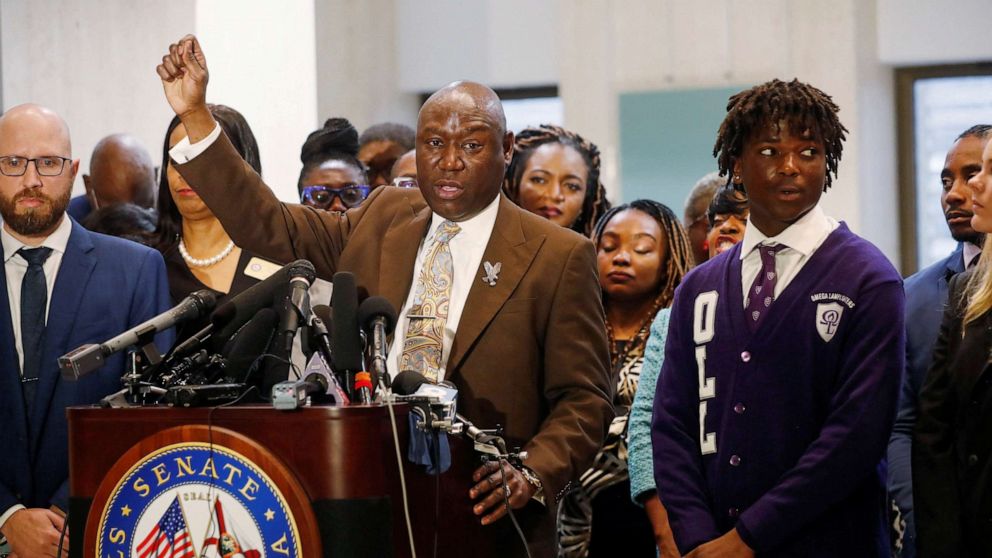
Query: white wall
x=922, y=32
x=95, y=65
x=357, y=63
x=262, y=62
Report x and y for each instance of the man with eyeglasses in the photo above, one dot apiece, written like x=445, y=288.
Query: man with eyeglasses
x=63, y=287
x=404, y=173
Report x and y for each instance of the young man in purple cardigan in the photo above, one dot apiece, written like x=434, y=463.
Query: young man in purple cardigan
x=784, y=356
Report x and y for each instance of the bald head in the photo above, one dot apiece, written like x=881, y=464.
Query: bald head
x=472, y=96
x=462, y=149
x=33, y=203
x=121, y=171
x=43, y=120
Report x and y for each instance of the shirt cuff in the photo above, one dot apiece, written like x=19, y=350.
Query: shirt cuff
x=184, y=151
x=10, y=511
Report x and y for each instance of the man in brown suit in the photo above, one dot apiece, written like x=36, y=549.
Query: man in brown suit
x=529, y=348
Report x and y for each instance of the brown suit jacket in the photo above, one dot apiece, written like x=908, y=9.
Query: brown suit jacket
x=530, y=353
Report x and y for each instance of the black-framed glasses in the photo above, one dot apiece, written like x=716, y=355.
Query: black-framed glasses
x=405, y=182
x=50, y=165
x=322, y=197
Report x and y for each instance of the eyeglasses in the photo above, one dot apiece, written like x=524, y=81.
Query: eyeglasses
x=46, y=166
x=405, y=182
x=322, y=197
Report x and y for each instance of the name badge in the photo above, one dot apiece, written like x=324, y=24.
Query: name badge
x=260, y=269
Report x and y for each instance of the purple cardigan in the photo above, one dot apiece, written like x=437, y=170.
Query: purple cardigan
x=795, y=417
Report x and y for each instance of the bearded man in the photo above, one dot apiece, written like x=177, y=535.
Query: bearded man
x=63, y=287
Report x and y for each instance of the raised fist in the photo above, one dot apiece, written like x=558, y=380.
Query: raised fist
x=184, y=76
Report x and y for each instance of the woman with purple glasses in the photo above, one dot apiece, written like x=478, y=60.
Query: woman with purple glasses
x=332, y=178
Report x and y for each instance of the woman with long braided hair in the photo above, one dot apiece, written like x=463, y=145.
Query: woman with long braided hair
x=554, y=173
x=643, y=252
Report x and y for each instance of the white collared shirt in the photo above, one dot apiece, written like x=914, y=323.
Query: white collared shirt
x=15, y=267
x=466, y=248
x=968, y=253
x=801, y=239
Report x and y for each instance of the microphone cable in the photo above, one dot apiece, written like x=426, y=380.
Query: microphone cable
x=399, y=465
x=509, y=510
x=65, y=527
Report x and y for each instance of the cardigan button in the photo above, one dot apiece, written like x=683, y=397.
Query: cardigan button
x=740, y=408
x=733, y=512
x=746, y=356
x=972, y=460
x=735, y=460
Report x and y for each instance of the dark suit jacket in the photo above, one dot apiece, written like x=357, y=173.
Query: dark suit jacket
x=926, y=298
x=530, y=353
x=79, y=208
x=104, y=286
x=952, y=442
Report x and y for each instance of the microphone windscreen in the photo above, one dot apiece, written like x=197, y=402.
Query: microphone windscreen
x=205, y=301
x=303, y=269
x=248, y=343
x=408, y=382
x=347, y=341
x=373, y=307
x=242, y=307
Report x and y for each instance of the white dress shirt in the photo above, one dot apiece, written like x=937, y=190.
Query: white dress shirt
x=15, y=267
x=968, y=253
x=801, y=240
x=466, y=248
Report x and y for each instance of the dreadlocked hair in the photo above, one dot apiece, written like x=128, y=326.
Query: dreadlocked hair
x=800, y=105
x=679, y=260
x=524, y=145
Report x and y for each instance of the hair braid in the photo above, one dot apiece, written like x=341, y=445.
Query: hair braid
x=528, y=140
x=679, y=260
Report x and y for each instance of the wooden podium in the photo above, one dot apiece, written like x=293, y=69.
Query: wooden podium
x=335, y=468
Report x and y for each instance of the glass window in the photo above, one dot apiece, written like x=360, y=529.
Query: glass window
x=943, y=107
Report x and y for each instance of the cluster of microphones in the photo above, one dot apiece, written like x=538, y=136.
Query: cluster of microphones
x=248, y=346
x=246, y=354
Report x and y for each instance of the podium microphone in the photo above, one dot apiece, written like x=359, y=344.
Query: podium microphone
x=230, y=316
x=378, y=317
x=88, y=358
x=347, y=341
x=296, y=307
x=321, y=326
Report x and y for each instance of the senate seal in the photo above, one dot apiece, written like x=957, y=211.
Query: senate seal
x=195, y=499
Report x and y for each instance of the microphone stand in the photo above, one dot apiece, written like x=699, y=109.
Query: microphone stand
x=137, y=389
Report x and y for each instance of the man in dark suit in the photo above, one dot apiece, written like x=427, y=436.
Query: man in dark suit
x=523, y=337
x=121, y=171
x=926, y=297
x=63, y=287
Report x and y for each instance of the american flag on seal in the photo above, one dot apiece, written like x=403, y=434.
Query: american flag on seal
x=169, y=538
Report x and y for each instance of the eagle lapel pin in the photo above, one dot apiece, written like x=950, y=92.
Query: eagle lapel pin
x=492, y=273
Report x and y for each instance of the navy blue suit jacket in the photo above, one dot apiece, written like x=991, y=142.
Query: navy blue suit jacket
x=104, y=286
x=926, y=298
x=79, y=208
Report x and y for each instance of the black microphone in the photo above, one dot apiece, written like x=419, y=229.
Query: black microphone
x=296, y=307
x=347, y=341
x=230, y=316
x=247, y=344
x=378, y=317
x=88, y=358
x=321, y=326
